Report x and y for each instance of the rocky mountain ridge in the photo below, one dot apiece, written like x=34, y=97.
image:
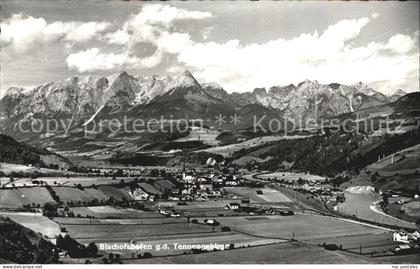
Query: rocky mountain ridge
x=82, y=99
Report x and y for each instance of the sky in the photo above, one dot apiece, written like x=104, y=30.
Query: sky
x=239, y=45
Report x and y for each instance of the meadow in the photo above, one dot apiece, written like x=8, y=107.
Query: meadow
x=268, y=195
x=124, y=233
x=114, y=212
x=16, y=198
x=35, y=222
x=301, y=226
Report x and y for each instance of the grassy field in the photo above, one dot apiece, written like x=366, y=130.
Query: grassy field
x=301, y=226
x=379, y=243
x=74, y=194
x=16, y=198
x=138, y=221
x=207, y=136
x=8, y=168
x=283, y=253
x=268, y=195
x=409, y=211
x=114, y=212
x=412, y=208
x=88, y=194
x=225, y=238
x=35, y=222
x=124, y=233
x=118, y=194
x=149, y=188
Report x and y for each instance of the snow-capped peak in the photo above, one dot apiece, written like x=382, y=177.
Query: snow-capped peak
x=185, y=80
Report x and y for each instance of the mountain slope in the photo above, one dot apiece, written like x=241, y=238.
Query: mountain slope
x=14, y=152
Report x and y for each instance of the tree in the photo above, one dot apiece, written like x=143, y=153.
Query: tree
x=147, y=255
x=92, y=250
x=385, y=199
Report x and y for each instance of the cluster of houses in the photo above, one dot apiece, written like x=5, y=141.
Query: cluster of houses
x=405, y=237
x=191, y=186
x=204, y=187
x=410, y=241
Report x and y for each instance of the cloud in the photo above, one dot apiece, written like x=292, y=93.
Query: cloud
x=93, y=59
x=119, y=37
x=330, y=56
x=23, y=32
x=75, y=31
x=153, y=23
x=401, y=43
x=165, y=15
x=173, y=43
x=20, y=31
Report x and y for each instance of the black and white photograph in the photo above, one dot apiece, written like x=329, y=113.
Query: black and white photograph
x=212, y=133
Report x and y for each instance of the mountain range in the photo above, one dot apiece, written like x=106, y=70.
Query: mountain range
x=87, y=99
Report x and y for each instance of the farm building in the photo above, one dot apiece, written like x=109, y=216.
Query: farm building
x=188, y=178
x=231, y=183
x=232, y=206
x=138, y=194
x=404, y=237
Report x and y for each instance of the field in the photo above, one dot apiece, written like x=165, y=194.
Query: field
x=8, y=168
x=88, y=194
x=148, y=228
x=73, y=194
x=268, y=196
x=35, y=222
x=114, y=212
x=367, y=244
x=123, y=233
x=15, y=198
x=225, y=239
x=412, y=208
x=291, y=176
x=409, y=211
x=211, y=208
x=118, y=194
x=283, y=253
x=300, y=226
x=207, y=136
x=137, y=221
x=362, y=205
x=149, y=188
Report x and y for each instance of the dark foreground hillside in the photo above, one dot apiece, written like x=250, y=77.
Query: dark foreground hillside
x=21, y=245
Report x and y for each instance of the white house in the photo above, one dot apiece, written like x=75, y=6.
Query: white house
x=231, y=183
x=188, y=178
x=400, y=236
x=232, y=206
x=138, y=194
